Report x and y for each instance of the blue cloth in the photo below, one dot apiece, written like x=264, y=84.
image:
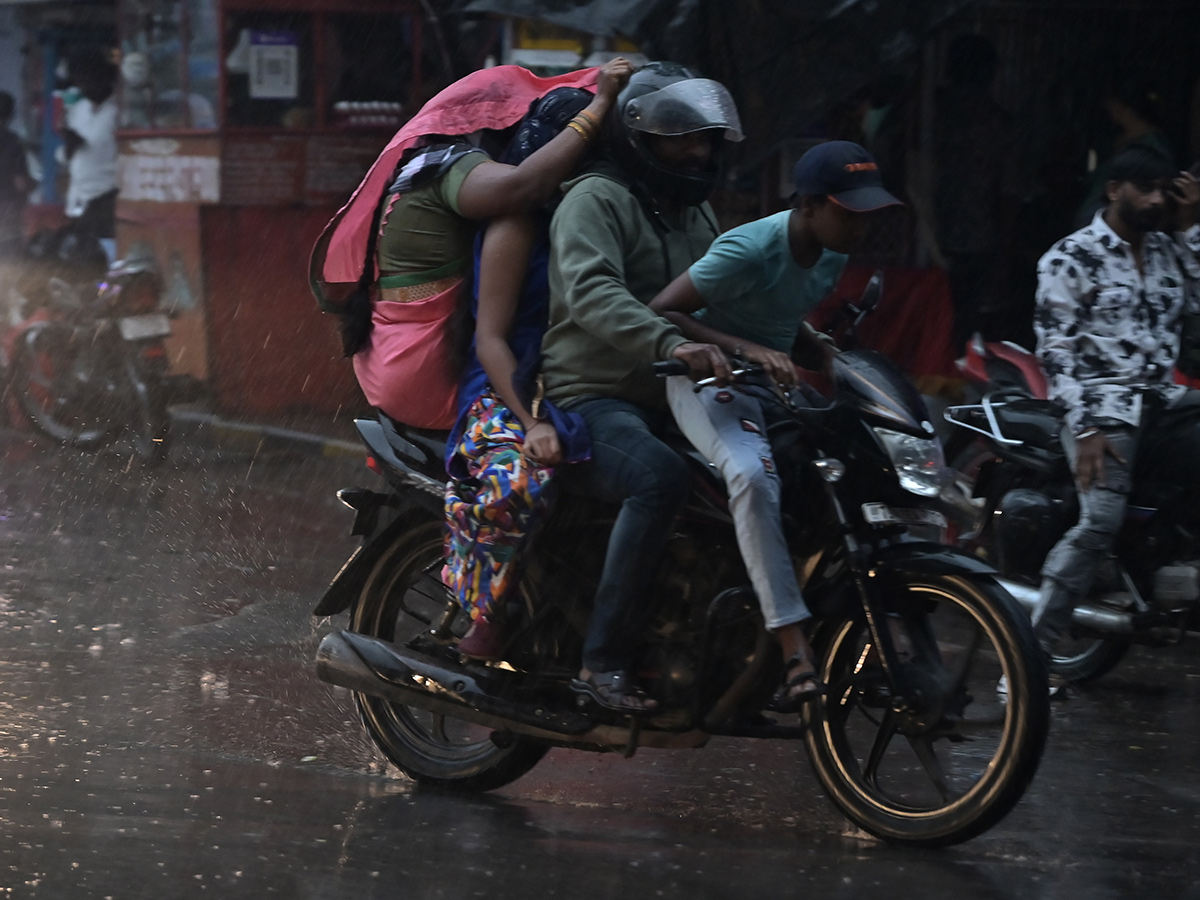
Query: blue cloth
x=753, y=287
x=525, y=340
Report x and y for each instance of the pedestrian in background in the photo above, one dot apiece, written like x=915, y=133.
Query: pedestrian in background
x=974, y=190
x=15, y=183
x=91, y=149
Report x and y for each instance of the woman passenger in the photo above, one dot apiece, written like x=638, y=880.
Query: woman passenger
x=400, y=341
x=506, y=441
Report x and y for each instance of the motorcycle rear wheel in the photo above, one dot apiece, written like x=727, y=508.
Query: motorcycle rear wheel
x=933, y=778
x=1086, y=659
x=58, y=390
x=151, y=425
x=402, y=599
x=1077, y=660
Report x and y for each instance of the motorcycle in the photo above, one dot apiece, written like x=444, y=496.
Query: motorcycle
x=93, y=366
x=912, y=742
x=1011, y=460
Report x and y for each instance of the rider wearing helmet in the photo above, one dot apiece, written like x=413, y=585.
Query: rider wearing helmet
x=624, y=230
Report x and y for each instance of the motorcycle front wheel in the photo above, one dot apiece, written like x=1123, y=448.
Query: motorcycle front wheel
x=949, y=760
x=401, y=601
x=61, y=386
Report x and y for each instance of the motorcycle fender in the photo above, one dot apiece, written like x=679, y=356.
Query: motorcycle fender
x=918, y=558
x=346, y=586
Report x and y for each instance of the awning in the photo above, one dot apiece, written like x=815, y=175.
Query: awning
x=786, y=64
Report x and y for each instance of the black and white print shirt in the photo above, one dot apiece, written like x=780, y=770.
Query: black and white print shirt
x=1107, y=334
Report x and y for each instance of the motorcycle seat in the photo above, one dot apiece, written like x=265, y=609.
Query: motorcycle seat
x=423, y=447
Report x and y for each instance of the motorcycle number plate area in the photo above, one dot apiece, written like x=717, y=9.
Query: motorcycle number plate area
x=882, y=514
x=138, y=328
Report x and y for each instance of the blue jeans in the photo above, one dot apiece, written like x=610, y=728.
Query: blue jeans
x=651, y=482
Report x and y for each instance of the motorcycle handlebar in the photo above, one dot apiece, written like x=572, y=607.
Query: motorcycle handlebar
x=668, y=367
x=671, y=367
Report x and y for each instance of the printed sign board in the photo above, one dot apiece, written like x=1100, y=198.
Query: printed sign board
x=274, y=65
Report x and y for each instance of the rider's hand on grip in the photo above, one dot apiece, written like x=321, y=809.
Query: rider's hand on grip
x=669, y=367
x=703, y=360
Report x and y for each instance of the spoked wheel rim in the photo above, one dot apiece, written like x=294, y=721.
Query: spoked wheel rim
x=922, y=771
x=402, y=602
x=58, y=396
x=1083, y=658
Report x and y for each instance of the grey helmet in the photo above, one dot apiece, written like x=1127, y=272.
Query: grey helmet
x=666, y=98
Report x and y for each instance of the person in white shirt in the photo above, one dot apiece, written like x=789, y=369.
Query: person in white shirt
x=91, y=148
x=1109, y=305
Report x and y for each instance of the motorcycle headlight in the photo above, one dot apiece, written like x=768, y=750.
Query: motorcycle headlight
x=918, y=462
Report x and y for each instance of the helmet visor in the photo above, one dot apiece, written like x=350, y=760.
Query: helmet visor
x=694, y=104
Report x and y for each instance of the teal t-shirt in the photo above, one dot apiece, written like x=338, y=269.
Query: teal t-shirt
x=753, y=288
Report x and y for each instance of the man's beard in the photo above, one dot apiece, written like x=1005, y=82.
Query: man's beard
x=1142, y=220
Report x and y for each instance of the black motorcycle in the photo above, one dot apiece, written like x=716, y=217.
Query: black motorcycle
x=912, y=741
x=95, y=367
x=1147, y=590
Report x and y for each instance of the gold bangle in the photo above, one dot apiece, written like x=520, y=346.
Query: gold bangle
x=589, y=118
x=587, y=125
x=579, y=128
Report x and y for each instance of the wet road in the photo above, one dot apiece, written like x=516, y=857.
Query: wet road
x=161, y=735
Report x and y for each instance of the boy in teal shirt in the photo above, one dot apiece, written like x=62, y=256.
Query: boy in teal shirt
x=748, y=295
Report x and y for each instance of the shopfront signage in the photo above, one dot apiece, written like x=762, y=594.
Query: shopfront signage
x=274, y=65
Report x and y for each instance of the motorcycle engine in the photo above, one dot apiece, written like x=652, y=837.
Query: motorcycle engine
x=1027, y=525
x=696, y=569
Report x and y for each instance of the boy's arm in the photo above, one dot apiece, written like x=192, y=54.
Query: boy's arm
x=676, y=303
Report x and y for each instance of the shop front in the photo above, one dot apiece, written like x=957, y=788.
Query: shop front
x=244, y=126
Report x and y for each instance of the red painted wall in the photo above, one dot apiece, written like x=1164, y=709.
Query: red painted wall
x=271, y=350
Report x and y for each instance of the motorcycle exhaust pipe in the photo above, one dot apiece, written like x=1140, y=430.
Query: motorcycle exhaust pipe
x=1091, y=618
x=371, y=666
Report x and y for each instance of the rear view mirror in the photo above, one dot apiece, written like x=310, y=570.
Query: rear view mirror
x=872, y=292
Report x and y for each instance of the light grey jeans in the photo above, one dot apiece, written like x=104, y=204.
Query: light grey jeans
x=1071, y=566
x=728, y=428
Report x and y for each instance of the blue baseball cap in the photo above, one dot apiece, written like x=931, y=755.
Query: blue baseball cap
x=844, y=172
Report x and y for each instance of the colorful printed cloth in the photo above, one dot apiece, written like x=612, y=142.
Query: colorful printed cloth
x=488, y=513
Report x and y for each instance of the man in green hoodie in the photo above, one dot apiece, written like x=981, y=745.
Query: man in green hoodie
x=625, y=229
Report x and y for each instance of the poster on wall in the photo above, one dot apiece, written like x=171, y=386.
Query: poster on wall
x=274, y=65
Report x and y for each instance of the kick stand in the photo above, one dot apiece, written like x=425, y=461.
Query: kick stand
x=635, y=731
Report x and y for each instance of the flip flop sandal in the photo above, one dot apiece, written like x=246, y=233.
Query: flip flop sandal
x=612, y=691
x=785, y=701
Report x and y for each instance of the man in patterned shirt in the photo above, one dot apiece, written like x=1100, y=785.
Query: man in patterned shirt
x=1109, y=302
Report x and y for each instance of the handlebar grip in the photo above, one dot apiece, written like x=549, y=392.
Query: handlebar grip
x=671, y=367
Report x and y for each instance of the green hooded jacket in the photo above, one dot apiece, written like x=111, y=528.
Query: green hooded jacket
x=608, y=260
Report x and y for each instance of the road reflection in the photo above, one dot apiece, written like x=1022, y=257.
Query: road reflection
x=162, y=735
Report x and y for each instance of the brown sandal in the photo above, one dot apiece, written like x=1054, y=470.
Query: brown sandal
x=787, y=699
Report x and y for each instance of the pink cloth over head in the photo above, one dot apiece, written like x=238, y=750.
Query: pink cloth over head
x=489, y=98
